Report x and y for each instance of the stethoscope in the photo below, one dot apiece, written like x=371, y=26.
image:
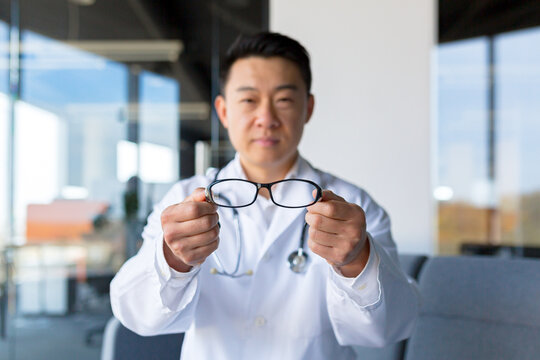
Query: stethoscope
x=298, y=259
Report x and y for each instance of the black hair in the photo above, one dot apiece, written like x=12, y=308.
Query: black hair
x=267, y=44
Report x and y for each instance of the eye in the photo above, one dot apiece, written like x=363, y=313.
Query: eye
x=247, y=100
x=284, y=103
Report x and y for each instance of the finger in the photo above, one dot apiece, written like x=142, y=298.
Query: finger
x=334, y=209
x=319, y=249
x=197, y=195
x=328, y=195
x=191, y=227
x=334, y=256
x=323, y=238
x=198, y=255
x=187, y=211
x=323, y=223
x=189, y=243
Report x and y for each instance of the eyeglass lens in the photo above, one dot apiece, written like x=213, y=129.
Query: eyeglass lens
x=233, y=193
x=293, y=193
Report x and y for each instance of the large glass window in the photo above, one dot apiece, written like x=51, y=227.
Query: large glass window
x=517, y=62
x=462, y=184
x=4, y=104
x=108, y=101
x=160, y=133
x=488, y=186
x=68, y=123
x=68, y=205
x=4, y=56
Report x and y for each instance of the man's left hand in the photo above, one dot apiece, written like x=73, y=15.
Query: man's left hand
x=337, y=233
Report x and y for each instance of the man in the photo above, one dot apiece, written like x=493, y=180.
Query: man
x=222, y=275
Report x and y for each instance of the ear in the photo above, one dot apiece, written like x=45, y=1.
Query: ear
x=221, y=110
x=310, y=107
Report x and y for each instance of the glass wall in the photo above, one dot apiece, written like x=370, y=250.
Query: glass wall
x=488, y=180
x=517, y=91
x=107, y=101
x=4, y=105
x=462, y=184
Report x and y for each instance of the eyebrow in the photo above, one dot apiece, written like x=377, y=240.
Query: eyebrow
x=280, y=87
x=287, y=87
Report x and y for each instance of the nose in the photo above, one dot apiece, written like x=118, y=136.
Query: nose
x=266, y=115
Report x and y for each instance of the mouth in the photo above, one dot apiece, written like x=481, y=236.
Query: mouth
x=266, y=141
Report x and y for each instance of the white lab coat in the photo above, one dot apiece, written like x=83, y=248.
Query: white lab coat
x=275, y=313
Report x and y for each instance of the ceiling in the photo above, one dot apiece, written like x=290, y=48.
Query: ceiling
x=462, y=19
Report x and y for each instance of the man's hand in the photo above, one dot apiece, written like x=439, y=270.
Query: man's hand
x=190, y=231
x=337, y=233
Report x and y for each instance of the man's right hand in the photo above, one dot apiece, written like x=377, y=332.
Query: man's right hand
x=190, y=231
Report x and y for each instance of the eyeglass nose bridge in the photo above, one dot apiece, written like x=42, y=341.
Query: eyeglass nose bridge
x=267, y=187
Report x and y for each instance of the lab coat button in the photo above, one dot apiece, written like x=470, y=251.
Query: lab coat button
x=260, y=321
x=361, y=287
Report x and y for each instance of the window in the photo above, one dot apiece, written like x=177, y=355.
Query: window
x=488, y=183
x=4, y=130
x=113, y=97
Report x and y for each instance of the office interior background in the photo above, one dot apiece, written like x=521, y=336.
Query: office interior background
x=430, y=106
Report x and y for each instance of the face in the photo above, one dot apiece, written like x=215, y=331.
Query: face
x=264, y=109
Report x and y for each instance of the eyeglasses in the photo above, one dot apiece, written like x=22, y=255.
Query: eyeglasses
x=237, y=193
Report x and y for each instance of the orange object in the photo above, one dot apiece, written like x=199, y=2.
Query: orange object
x=62, y=219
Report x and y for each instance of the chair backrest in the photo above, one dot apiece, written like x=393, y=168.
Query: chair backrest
x=411, y=265
x=120, y=343
x=478, y=308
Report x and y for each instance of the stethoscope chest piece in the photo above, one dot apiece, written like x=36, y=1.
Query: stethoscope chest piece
x=298, y=261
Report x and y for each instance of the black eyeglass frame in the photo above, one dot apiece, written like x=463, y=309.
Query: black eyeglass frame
x=268, y=186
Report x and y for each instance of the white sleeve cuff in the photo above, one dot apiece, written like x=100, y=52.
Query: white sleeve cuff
x=365, y=288
x=177, y=289
x=168, y=274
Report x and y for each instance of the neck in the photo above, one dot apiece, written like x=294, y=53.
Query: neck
x=267, y=174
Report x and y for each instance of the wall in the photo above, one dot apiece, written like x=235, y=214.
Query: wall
x=371, y=66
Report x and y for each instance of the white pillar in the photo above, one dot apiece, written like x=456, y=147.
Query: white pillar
x=371, y=63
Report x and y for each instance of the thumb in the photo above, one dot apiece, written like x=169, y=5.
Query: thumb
x=197, y=195
x=329, y=195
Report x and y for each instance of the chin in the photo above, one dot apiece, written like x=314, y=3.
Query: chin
x=267, y=157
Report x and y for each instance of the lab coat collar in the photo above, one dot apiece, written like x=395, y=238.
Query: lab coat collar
x=301, y=169
x=283, y=217
x=238, y=172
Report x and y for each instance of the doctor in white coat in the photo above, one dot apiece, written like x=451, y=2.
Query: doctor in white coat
x=224, y=276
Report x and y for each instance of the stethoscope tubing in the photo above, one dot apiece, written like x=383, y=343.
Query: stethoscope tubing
x=239, y=246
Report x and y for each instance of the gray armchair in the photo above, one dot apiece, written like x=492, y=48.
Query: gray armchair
x=120, y=343
x=478, y=308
